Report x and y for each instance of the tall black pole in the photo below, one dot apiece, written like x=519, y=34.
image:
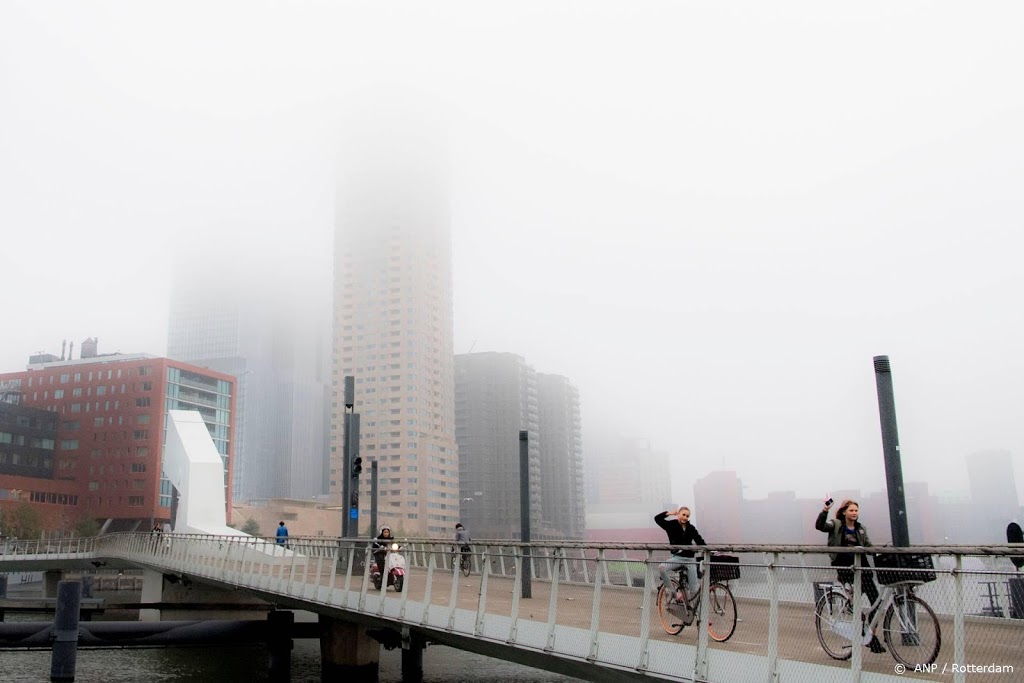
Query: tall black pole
x=373, y=497
x=891, y=451
x=524, y=510
x=346, y=480
x=346, y=466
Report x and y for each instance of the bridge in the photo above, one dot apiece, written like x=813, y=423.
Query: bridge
x=585, y=610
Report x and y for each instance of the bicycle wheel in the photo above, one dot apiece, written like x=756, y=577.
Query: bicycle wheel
x=721, y=612
x=672, y=623
x=466, y=565
x=833, y=620
x=912, y=631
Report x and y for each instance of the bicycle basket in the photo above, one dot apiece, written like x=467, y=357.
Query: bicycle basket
x=725, y=568
x=893, y=568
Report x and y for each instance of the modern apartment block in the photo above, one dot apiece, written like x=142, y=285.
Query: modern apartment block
x=495, y=399
x=561, y=448
x=28, y=466
x=111, y=413
x=994, y=492
x=393, y=332
x=278, y=354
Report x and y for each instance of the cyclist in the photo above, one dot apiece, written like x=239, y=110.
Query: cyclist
x=845, y=532
x=676, y=524
x=462, y=540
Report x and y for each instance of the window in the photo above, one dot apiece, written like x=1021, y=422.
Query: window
x=141, y=452
x=140, y=434
x=97, y=422
x=69, y=445
x=135, y=501
x=142, y=420
x=57, y=393
x=142, y=402
x=138, y=467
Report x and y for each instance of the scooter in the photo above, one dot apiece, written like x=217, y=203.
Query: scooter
x=394, y=563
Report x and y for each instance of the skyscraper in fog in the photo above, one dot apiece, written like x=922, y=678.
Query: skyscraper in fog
x=276, y=345
x=561, y=448
x=393, y=330
x=496, y=398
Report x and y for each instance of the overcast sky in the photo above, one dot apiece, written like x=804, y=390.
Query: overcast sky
x=710, y=216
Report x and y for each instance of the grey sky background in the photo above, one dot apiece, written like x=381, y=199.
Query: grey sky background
x=709, y=217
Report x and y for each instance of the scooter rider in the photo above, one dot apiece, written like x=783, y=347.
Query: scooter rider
x=381, y=546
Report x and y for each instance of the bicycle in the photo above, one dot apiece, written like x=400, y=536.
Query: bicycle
x=910, y=628
x=675, y=614
x=464, y=561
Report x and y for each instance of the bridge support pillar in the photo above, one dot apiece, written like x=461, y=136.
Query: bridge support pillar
x=152, y=591
x=347, y=652
x=64, y=655
x=412, y=659
x=50, y=581
x=280, y=645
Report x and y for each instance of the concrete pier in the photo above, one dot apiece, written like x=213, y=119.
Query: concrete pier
x=347, y=652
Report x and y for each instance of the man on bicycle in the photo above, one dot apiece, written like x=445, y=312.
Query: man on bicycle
x=676, y=524
x=462, y=540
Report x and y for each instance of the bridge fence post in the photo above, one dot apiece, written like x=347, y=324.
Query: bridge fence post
x=773, y=619
x=431, y=562
x=701, y=660
x=645, y=613
x=481, y=609
x=856, y=660
x=64, y=655
x=517, y=588
x=556, y=554
x=959, y=645
x=595, y=610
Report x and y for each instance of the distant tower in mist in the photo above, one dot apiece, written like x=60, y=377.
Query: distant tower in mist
x=274, y=341
x=561, y=448
x=393, y=328
x=993, y=492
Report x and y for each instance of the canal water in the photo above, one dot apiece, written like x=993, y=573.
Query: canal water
x=249, y=665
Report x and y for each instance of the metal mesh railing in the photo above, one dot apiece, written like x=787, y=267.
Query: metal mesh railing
x=785, y=615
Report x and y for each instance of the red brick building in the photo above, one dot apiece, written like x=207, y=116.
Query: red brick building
x=111, y=419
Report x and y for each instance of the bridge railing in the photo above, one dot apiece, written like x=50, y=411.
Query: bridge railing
x=11, y=548
x=596, y=603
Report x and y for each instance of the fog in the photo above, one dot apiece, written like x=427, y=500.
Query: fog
x=709, y=218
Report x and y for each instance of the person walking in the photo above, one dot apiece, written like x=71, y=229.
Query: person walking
x=282, y=534
x=676, y=524
x=846, y=532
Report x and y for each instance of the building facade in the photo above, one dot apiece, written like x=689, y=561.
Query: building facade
x=278, y=353
x=495, y=399
x=561, y=448
x=111, y=413
x=393, y=333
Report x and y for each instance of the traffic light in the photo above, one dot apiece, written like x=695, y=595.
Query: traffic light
x=357, y=466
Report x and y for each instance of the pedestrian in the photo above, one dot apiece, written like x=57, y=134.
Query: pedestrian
x=156, y=536
x=282, y=534
x=846, y=532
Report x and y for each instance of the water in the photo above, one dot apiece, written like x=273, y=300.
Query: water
x=221, y=664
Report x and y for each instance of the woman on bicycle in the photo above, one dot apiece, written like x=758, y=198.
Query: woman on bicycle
x=846, y=532
x=676, y=524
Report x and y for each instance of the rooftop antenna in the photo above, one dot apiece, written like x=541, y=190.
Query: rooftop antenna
x=63, y=346
x=471, y=346
x=71, y=350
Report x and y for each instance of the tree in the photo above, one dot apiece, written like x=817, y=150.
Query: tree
x=251, y=527
x=25, y=522
x=86, y=527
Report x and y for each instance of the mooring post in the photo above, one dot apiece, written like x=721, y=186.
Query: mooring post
x=280, y=645
x=3, y=593
x=65, y=631
x=412, y=657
